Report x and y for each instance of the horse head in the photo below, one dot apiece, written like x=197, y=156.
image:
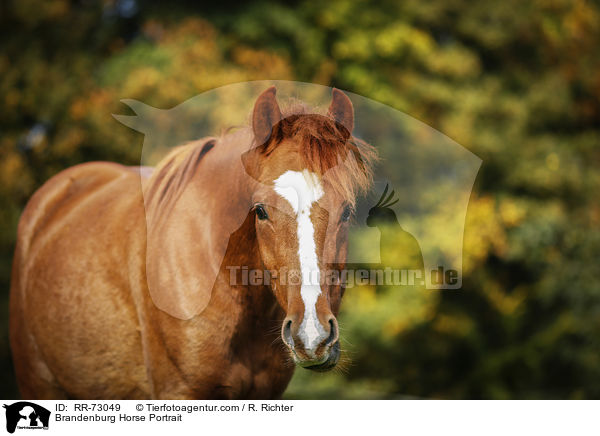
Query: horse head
x=309, y=169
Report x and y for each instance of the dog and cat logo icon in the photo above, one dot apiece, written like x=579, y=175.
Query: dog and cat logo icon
x=26, y=415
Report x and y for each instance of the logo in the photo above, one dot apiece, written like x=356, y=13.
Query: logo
x=417, y=234
x=26, y=415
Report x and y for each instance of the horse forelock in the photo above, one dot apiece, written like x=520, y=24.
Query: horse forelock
x=326, y=147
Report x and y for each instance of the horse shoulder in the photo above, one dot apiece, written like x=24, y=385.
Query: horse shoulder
x=71, y=278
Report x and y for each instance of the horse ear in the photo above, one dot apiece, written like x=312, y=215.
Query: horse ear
x=341, y=109
x=266, y=114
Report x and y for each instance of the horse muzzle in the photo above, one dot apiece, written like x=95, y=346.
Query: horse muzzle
x=321, y=357
x=325, y=364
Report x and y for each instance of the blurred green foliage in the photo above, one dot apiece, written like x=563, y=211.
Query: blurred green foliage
x=515, y=82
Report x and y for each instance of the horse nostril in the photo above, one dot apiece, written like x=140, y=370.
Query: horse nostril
x=333, y=332
x=286, y=333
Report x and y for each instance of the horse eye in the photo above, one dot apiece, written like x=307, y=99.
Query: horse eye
x=261, y=213
x=346, y=214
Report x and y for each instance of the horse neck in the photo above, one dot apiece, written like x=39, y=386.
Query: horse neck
x=260, y=309
x=236, y=187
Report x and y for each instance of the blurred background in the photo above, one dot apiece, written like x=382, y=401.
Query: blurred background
x=517, y=83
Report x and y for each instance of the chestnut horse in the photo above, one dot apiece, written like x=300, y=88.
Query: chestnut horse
x=118, y=290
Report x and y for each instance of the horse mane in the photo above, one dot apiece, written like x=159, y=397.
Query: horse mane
x=327, y=148
x=174, y=172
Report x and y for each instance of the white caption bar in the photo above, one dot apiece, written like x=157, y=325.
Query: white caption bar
x=301, y=417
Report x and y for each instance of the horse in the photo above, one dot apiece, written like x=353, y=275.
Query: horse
x=124, y=281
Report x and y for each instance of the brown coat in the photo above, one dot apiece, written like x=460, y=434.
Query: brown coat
x=117, y=290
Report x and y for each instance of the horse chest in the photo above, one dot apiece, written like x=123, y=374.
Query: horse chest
x=257, y=380
x=234, y=361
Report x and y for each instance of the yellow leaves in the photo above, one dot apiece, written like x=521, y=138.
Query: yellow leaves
x=270, y=64
x=14, y=177
x=392, y=43
x=78, y=109
x=192, y=28
x=395, y=326
x=568, y=24
x=11, y=99
x=68, y=142
x=454, y=61
x=325, y=72
x=511, y=211
x=594, y=215
x=490, y=222
x=361, y=302
x=484, y=232
x=459, y=324
x=142, y=80
x=398, y=38
x=387, y=311
x=355, y=45
x=86, y=105
x=506, y=304
x=581, y=20
x=180, y=60
x=33, y=11
x=363, y=297
x=10, y=167
x=335, y=14
x=56, y=8
x=552, y=161
x=418, y=309
x=197, y=52
x=100, y=97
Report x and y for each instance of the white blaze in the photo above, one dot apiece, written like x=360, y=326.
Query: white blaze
x=301, y=190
